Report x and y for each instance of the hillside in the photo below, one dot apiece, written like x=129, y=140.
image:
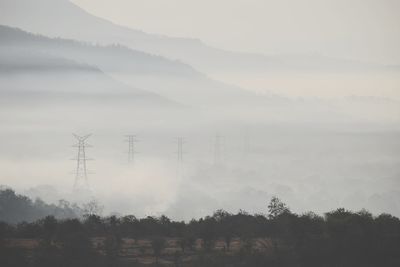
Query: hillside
x=29, y=76
x=111, y=58
x=30, y=16
x=172, y=79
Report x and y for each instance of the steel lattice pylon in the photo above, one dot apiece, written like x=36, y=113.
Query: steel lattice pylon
x=81, y=174
x=131, y=139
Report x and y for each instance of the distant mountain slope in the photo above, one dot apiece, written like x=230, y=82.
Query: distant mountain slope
x=40, y=70
x=18, y=61
x=28, y=76
x=113, y=58
x=72, y=89
x=171, y=79
x=61, y=18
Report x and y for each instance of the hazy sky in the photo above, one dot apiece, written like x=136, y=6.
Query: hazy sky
x=360, y=29
x=321, y=138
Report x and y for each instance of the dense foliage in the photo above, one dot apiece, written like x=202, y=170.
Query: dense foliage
x=339, y=238
x=15, y=208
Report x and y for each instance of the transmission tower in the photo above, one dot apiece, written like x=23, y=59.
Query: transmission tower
x=131, y=139
x=81, y=174
x=218, y=149
x=179, y=152
x=246, y=144
x=179, y=166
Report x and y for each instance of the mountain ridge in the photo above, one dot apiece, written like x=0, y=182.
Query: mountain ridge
x=16, y=37
x=93, y=29
x=170, y=79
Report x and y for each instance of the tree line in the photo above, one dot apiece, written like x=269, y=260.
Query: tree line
x=15, y=208
x=338, y=238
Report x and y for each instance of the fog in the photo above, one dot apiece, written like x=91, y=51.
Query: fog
x=359, y=29
x=318, y=131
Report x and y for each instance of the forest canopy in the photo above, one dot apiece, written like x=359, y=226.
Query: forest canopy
x=74, y=236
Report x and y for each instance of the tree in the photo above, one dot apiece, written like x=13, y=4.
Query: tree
x=182, y=242
x=208, y=233
x=225, y=229
x=177, y=259
x=158, y=244
x=49, y=225
x=276, y=207
x=92, y=208
x=188, y=240
x=75, y=244
x=112, y=246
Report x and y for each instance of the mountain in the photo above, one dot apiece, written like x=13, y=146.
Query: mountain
x=33, y=79
x=61, y=18
x=32, y=74
x=112, y=58
x=172, y=79
x=35, y=69
x=134, y=61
